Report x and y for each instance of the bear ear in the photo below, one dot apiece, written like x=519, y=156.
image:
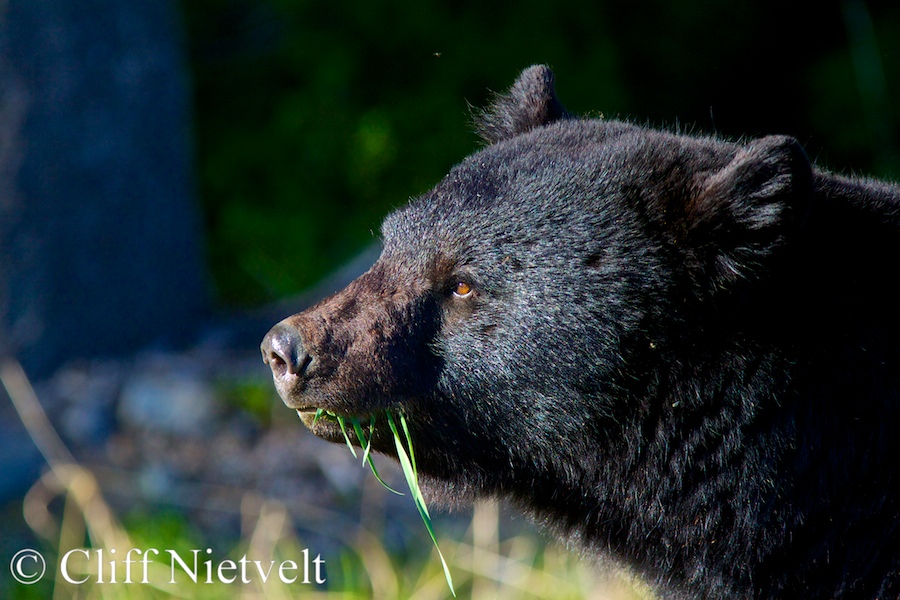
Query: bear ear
x=531, y=102
x=742, y=213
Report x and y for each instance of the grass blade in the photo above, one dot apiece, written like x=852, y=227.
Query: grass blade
x=319, y=413
x=346, y=437
x=367, y=457
x=407, y=463
x=371, y=435
x=412, y=455
x=361, y=436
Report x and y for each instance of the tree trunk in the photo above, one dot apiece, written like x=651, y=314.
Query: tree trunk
x=99, y=227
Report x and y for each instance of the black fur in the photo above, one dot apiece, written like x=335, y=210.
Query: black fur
x=680, y=352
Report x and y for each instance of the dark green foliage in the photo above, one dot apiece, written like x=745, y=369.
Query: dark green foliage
x=315, y=119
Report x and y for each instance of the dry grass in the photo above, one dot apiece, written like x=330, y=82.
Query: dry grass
x=484, y=562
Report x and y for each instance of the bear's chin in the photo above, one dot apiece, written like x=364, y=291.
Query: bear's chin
x=326, y=424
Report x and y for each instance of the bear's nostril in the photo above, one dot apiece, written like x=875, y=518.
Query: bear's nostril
x=283, y=350
x=276, y=363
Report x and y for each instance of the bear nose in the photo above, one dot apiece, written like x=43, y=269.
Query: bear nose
x=283, y=350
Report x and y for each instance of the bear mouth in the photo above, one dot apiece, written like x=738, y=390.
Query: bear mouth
x=308, y=415
x=315, y=418
x=332, y=426
x=370, y=431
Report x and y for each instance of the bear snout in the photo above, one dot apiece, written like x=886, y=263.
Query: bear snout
x=286, y=354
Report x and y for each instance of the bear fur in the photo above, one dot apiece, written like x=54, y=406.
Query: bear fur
x=679, y=353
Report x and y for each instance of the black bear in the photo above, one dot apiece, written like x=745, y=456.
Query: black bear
x=680, y=353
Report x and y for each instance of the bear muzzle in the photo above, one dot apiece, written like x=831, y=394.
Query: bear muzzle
x=299, y=377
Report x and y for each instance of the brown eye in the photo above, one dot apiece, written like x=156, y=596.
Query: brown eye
x=462, y=290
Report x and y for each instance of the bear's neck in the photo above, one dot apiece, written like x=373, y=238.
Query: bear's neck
x=732, y=470
x=666, y=499
x=774, y=421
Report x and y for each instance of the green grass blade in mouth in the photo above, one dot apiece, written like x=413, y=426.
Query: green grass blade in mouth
x=367, y=456
x=361, y=436
x=371, y=435
x=412, y=454
x=346, y=437
x=319, y=413
x=407, y=463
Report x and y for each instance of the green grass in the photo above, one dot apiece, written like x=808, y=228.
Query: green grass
x=410, y=472
x=407, y=460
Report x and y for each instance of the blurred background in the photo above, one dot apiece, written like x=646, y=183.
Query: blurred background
x=175, y=177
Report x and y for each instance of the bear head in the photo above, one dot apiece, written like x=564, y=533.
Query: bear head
x=520, y=310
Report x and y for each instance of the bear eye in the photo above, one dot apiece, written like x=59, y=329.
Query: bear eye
x=462, y=290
